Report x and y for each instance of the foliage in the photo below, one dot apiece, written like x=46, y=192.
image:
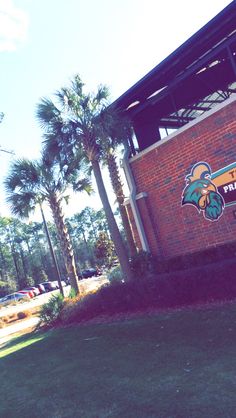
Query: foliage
x=104, y=249
x=189, y=287
x=84, y=228
x=115, y=274
x=42, y=276
x=24, y=249
x=50, y=311
x=72, y=294
x=29, y=281
x=143, y=265
x=29, y=183
x=6, y=288
x=89, y=223
x=82, y=123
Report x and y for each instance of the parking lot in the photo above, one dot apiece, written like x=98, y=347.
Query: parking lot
x=8, y=332
x=85, y=285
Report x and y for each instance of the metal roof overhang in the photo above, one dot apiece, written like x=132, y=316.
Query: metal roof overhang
x=199, y=74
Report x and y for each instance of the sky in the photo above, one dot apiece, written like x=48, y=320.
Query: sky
x=44, y=43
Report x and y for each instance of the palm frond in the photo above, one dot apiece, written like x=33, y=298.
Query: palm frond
x=22, y=204
x=102, y=94
x=62, y=96
x=83, y=185
x=47, y=112
x=51, y=148
x=77, y=85
x=23, y=175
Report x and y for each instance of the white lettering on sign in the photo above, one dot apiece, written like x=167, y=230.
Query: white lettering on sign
x=230, y=187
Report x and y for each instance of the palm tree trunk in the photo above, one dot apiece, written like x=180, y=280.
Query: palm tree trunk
x=65, y=241
x=114, y=230
x=54, y=260
x=118, y=190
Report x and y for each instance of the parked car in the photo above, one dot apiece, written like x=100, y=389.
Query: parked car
x=91, y=272
x=20, y=296
x=55, y=283
x=49, y=286
x=34, y=289
x=86, y=274
x=27, y=292
x=41, y=288
x=63, y=283
x=14, y=297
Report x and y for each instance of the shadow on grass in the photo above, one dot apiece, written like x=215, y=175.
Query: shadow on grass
x=179, y=364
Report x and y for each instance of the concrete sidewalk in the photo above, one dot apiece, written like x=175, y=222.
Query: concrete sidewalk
x=8, y=332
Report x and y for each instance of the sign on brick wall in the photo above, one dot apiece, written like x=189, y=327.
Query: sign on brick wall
x=210, y=192
x=225, y=181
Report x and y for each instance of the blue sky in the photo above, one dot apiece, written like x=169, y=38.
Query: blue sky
x=43, y=43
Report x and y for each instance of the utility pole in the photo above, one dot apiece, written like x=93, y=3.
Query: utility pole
x=7, y=151
x=2, y=149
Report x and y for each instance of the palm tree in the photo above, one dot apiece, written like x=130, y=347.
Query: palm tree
x=30, y=183
x=116, y=130
x=111, y=162
x=83, y=128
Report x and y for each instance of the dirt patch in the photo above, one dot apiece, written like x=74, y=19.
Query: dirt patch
x=18, y=316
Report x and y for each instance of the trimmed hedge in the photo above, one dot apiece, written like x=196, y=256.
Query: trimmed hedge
x=211, y=255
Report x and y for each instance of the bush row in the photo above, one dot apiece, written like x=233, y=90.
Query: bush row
x=200, y=285
x=214, y=282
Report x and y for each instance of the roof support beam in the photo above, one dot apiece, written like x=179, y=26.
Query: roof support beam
x=231, y=59
x=196, y=107
x=204, y=61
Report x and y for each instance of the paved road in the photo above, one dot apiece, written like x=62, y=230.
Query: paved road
x=19, y=326
x=37, y=301
x=86, y=285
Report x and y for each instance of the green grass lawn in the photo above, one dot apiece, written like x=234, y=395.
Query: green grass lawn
x=173, y=365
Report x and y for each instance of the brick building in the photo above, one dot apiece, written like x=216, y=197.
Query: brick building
x=184, y=112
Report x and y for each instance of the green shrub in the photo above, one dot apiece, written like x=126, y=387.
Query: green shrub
x=43, y=276
x=50, y=311
x=143, y=265
x=29, y=281
x=115, y=274
x=72, y=294
x=7, y=287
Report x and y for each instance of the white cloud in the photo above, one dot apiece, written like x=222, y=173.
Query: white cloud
x=13, y=26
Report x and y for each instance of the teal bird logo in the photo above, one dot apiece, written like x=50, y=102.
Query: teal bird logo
x=201, y=192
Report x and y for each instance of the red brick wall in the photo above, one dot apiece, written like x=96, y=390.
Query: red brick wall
x=172, y=229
